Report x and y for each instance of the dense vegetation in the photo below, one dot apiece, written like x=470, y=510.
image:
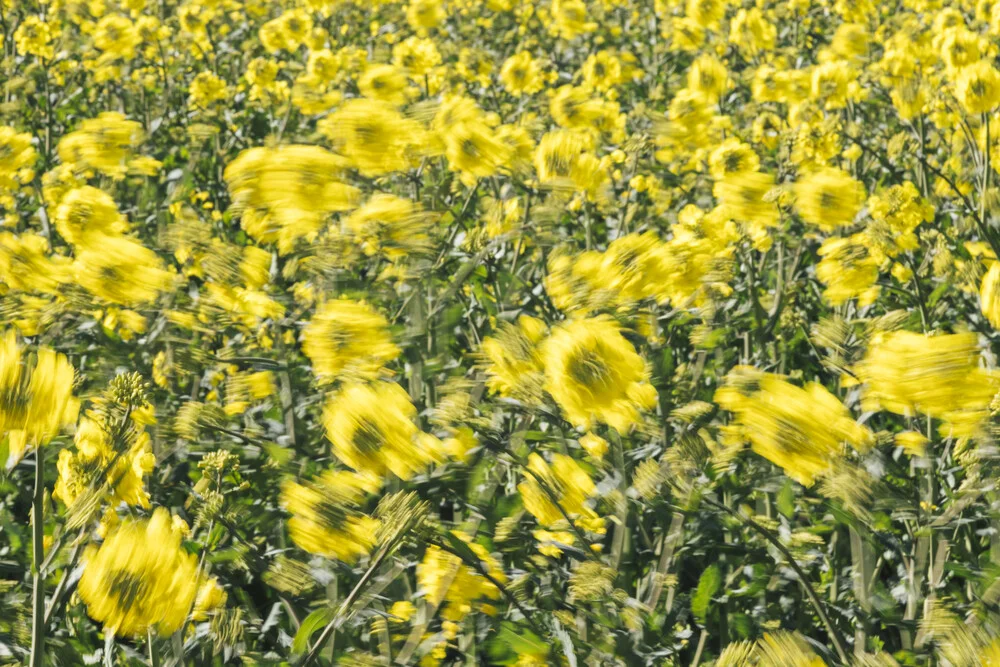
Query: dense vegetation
x=439, y=332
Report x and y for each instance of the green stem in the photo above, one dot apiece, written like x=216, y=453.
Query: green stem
x=621, y=530
x=37, y=557
x=835, y=639
x=154, y=655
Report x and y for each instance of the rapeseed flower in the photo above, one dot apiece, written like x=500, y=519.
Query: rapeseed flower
x=347, y=339
x=140, y=577
x=803, y=430
x=372, y=431
x=595, y=375
x=325, y=515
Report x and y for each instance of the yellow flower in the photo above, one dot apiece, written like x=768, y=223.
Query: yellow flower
x=372, y=430
x=940, y=376
x=848, y=270
x=594, y=445
x=416, y=56
x=34, y=37
x=743, y=194
x=17, y=158
x=36, y=396
x=121, y=271
x=140, y=577
x=913, y=442
x=116, y=36
x=708, y=76
x=564, y=489
x=386, y=83
x=347, y=339
x=570, y=19
x=751, y=31
x=829, y=198
x=978, y=87
x=801, y=430
x=831, y=83
x=602, y=71
x=105, y=143
x=732, y=157
x=325, y=515
x=96, y=464
x=205, y=90
x=707, y=13
x=87, y=214
x=26, y=264
x=447, y=581
x=373, y=136
x=425, y=14
x=474, y=149
x=522, y=75
x=285, y=194
x=210, y=597
x=595, y=375
x=989, y=295
x=390, y=226
x=786, y=649
x=514, y=362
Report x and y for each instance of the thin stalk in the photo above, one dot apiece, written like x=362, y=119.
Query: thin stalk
x=817, y=604
x=621, y=530
x=154, y=655
x=37, y=557
x=345, y=607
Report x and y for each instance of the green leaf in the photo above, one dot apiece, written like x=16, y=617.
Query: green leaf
x=310, y=624
x=708, y=586
x=786, y=499
x=512, y=642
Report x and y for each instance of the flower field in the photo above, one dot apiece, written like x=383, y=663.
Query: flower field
x=500, y=332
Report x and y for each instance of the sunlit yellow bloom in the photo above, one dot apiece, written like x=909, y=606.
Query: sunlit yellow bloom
x=595, y=375
x=26, y=264
x=116, y=36
x=848, y=270
x=564, y=489
x=732, y=157
x=121, y=271
x=416, y=56
x=602, y=71
x=372, y=430
x=570, y=19
x=447, y=581
x=347, y=339
x=384, y=82
x=36, y=396
x=425, y=14
x=372, y=135
x=325, y=515
x=105, y=143
x=286, y=194
x=34, y=37
x=940, y=376
x=522, y=75
x=514, y=359
x=87, y=214
x=17, y=158
x=829, y=198
x=978, y=87
x=140, y=577
x=708, y=76
x=96, y=463
x=744, y=195
x=802, y=430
